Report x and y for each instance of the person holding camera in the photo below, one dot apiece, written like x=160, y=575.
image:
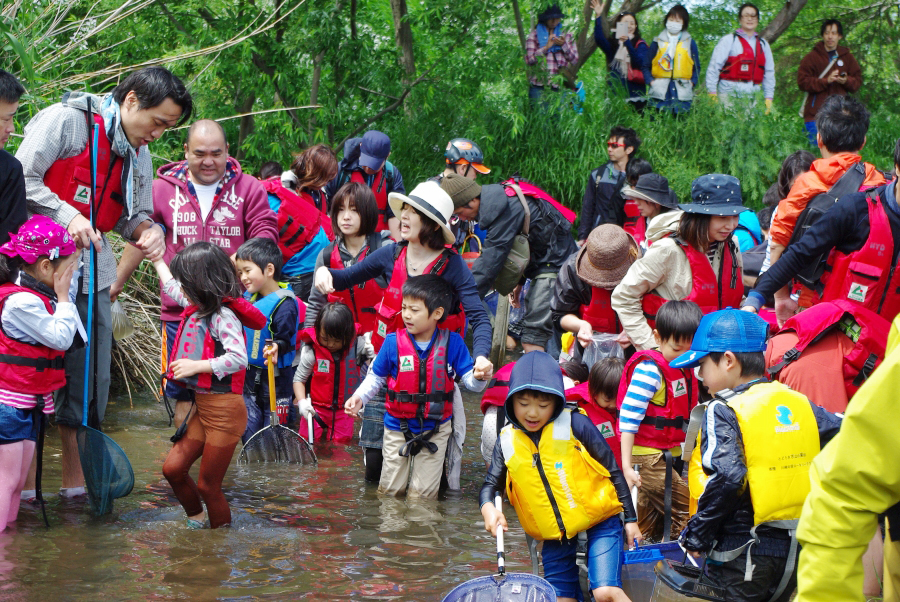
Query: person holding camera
x=827, y=70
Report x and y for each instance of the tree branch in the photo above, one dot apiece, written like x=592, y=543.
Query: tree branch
x=175, y=22
x=782, y=20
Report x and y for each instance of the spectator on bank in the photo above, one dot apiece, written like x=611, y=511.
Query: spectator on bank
x=625, y=55
x=673, y=68
x=742, y=62
x=602, y=202
x=12, y=180
x=548, y=51
x=827, y=70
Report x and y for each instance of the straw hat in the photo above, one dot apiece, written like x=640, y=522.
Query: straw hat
x=432, y=201
x=606, y=256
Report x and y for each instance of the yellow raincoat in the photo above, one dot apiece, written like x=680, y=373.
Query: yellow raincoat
x=855, y=478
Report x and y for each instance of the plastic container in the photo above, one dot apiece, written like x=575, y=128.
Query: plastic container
x=602, y=345
x=676, y=582
x=638, y=578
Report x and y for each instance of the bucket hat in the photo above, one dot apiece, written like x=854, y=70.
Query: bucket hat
x=606, y=256
x=374, y=149
x=725, y=330
x=715, y=194
x=653, y=188
x=553, y=12
x=431, y=200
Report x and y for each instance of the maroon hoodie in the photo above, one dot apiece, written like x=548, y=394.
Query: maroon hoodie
x=239, y=212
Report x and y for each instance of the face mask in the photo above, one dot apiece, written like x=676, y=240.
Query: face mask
x=673, y=27
x=697, y=373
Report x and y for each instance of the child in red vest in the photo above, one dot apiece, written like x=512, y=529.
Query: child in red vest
x=38, y=325
x=654, y=404
x=330, y=363
x=597, y=398
x=209, y=356
x=419, y=364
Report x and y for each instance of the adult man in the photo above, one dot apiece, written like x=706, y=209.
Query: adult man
x=365, y=160
x=602, y=203
x=742, y=62
x=827, y=70
x=558, y=50
x=206, y=197
x=503, y=217
x=843, y=122
x=12, y=180
x=55, y=156
x=465, y=158
x=863, y=231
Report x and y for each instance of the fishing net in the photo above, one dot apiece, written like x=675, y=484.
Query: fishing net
x=277, y=443
x=107, y=472
x=503, y=588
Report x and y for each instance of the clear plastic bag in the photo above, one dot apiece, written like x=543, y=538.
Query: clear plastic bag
x=121, y=323
x=603, y=344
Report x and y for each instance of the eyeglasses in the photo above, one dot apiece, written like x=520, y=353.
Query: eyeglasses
x=615, y=144
x=749, y=16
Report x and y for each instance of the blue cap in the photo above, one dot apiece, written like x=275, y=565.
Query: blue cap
x=726, y=330
x=374, y=149
x=715, y=194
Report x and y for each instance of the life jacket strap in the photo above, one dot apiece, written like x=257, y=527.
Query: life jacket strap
x=661, y=423
x=40, y=364
x=416, y=441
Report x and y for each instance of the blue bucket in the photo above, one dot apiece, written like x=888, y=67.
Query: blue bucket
x=638, y=577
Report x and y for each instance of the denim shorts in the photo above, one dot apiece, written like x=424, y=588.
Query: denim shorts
x=16, y=425
x=604, y=558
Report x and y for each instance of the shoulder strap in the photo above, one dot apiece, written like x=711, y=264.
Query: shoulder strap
x=527, y=223
x=851, y=181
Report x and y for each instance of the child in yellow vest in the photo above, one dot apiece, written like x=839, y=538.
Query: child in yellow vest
x=562, y=478
x=757, y=442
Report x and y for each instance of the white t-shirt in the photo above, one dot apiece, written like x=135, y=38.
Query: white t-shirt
x=205, y=195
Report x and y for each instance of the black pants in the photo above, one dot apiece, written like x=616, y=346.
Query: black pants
x=766, y=577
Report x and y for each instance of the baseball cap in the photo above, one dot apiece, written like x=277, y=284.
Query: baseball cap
x=725, y=330
x=374, y=149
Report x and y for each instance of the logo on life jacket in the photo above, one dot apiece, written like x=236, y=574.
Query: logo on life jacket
x=679, y=387
x=406, y=363
x=382, y=329
x=785, y=417
x=323, y=366
x=82, y=195
x=857, y=292
x=605, y=429
x=565, y=485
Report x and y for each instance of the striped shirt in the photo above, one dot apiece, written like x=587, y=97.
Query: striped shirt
x=645, y=382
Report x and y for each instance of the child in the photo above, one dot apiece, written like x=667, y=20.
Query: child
x=258, y=263
x=654, y=404
x=597, y=398
x=419, y=363
x=758, y=440
x=330, y=363
x=209, y=356
x=38, y=325
x=562, y=479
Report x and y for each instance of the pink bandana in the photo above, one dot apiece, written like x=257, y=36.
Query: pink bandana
x=37, y=237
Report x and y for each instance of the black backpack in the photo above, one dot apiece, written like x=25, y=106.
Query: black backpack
x=848, y=183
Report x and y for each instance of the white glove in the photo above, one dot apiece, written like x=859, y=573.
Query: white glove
x=306, y=408
x=369, y=347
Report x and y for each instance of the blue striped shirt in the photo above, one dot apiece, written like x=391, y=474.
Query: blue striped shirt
x=645, y=382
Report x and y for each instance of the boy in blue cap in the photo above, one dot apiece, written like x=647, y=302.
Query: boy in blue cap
x=562, y=479
x=757, y=441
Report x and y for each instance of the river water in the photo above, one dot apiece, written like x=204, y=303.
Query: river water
x=299, y=532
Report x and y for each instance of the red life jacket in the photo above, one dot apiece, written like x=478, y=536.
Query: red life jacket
x=70, y=180
x=421, y=389
x=497, y=390
x=26, y=367
x=388, y=318
x=195, y=341
x=362, y=298
x=664, y=426
x=600, y=313
x=635, y=223
x=869, y=330
x=869, y=275
x=380, y=189
x=605, y=422
x=529, y=189
x=746, y=66
x=710, y=292
x=332, y=382
x=298, y=219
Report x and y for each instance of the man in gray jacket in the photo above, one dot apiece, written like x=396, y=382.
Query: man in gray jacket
x=503, y=217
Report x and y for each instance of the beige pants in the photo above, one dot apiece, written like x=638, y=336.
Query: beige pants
x=419, y=475
x=651, y=497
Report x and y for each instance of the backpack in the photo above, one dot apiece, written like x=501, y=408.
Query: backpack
x=810, y=275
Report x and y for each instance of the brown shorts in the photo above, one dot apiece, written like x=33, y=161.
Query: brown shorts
x=222, y=412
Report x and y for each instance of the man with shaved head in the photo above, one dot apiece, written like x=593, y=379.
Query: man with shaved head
x=206, y=197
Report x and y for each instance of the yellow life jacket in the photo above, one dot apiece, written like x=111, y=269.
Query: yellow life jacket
x=696, y=478
x=557, y=488
x=781, y=439
x=680, y=67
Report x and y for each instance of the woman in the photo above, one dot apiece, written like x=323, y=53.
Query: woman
x=695, y=259
x=674, y=64
x=557, y=49
x=652, y=196
x=625, y=55
x=315, y=167
x=425, y=232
